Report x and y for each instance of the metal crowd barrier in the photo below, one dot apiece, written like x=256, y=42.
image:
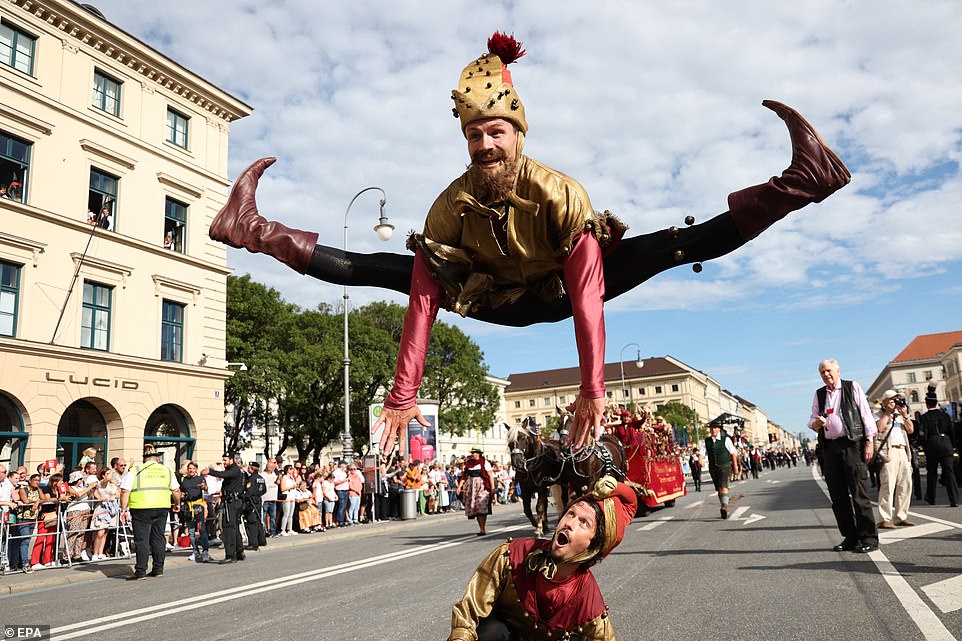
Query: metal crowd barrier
x=61, y=557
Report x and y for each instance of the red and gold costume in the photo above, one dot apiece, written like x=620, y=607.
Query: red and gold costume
x=527, y=602
x=516, y=583
x=545, y=238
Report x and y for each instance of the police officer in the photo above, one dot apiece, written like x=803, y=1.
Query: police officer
x=233, y=502
x=146, y=495
x=936, y=437
x=254, y=488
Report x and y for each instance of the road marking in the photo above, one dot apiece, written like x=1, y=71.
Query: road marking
x=921, y=614
x=184, y=605
x=651, y=526
x=894, y=536
x=695, y=504
x=947, y=595
x=737, y=514
x=752, y=518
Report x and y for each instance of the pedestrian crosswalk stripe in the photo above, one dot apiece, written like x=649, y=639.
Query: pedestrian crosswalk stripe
x=902, y=533
x=946, y=595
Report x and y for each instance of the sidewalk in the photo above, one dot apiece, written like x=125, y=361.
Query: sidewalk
x=18, y=582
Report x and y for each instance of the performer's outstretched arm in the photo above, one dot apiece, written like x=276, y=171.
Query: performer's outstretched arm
x=401, y=406
x=585, y=284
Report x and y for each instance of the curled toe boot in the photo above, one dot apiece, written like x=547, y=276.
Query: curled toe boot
x=815, y=174
x=240, y=225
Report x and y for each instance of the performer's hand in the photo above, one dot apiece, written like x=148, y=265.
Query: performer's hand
x=393, y=421
x=588, y=413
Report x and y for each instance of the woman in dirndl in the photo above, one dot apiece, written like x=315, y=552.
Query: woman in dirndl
x=477, y=483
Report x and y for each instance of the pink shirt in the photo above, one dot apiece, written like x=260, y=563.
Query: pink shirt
x=834, y=428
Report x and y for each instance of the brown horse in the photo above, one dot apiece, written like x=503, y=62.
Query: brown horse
x=536, y=464
x=581, y=469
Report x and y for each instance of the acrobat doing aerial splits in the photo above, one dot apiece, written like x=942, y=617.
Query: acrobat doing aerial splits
x=513, y=242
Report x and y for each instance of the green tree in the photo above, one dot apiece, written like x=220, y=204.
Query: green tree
x=454, y=375
x=681, y=416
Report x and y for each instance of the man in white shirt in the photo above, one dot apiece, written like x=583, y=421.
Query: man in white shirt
x=342, y=486
x=895, y=479
x=6, y=491
x=270, y=499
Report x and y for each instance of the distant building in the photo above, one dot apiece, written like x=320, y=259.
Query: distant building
x=112, y=298
x=658, y=381
x=926, y=360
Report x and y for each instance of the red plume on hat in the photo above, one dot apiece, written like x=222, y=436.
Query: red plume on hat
x=508, y=50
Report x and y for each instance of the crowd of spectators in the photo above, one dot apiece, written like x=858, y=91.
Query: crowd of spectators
x=52, y=521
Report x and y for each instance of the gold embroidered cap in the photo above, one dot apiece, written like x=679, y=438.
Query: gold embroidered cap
x=486, y=90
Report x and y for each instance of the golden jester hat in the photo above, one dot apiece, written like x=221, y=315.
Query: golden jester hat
x=485, y=89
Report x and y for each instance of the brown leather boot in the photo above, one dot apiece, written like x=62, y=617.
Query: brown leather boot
x=240, y=225
x=815, y=174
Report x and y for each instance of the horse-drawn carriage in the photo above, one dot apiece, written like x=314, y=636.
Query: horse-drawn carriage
x=644, y=456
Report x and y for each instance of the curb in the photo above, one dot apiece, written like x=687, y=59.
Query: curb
x=58, y=577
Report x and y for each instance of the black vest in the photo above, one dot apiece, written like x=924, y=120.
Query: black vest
x=848, y=412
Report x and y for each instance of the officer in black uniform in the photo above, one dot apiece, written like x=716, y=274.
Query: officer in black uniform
x=254, y=488
x=936, y=436
x=231, y=493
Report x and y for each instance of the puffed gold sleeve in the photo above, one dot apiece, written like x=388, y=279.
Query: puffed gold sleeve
x=599, y=629
x=482, y=592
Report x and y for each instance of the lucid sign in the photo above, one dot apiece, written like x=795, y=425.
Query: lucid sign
x=96, y=382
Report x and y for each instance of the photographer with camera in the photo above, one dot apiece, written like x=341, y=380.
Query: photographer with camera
x=895, y=479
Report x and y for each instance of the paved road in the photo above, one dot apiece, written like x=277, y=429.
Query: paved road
x=682, y=573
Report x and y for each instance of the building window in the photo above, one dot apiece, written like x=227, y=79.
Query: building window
x=657, y=389
x=674, y=388
x=106, y=95
x=561, y=400
x=610, y=394
x=102, y=199
x=625, y=393
x=16, y=48
x=9, y=295
x=14, y=162
x=911, y=377
x=172, y=332
x=914, y=396
x=927, y=375
x=641, y=391
x=517, y=405
x=547, y=401
x=175, y=225
x=530, y=402
x=95, y=326
x=177, y=128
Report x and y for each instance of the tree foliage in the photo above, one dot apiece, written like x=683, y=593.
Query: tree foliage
x=680, y=416
x=295, y=376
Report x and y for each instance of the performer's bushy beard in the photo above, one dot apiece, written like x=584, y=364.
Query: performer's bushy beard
x=493, y=186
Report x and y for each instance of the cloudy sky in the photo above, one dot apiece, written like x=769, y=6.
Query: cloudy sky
x=655, y=108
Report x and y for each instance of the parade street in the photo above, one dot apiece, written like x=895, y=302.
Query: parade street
x=768, y=572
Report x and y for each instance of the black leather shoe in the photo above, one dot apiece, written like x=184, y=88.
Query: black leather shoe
x=137, y=577
x=844, y=546
x=226, y=561
x=242, y=557
x=864, y=548
x=155, y=574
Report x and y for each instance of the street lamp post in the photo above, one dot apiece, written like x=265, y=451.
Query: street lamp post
x=384, y=231
x=639, y=363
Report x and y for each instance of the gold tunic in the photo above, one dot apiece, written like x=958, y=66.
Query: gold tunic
x=544, y=214
x=491, y=589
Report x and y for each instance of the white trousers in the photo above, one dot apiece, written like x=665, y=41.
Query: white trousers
x=895, y=486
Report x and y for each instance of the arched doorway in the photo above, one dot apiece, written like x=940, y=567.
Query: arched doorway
x=168, y=429
x=13, y=440
x=81, y=426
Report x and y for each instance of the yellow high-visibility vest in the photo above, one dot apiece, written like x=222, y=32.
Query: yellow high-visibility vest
x=151, y=487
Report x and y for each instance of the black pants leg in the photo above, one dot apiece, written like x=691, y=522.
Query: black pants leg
x=932, y=463
x=846, y=476
x=255, y=529
x=494, y=629
x=633, y=261
x=149, y=527
x=230, y=530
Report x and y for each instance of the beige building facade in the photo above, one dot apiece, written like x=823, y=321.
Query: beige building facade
x=926, y=360
x=113, y=162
